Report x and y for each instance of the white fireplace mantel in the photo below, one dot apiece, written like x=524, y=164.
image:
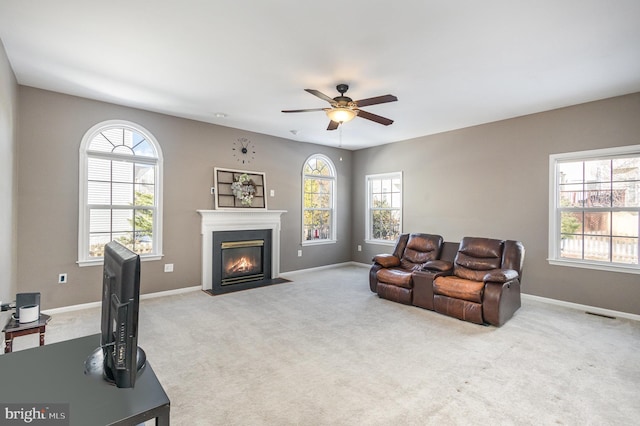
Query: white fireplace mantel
x=234, y=220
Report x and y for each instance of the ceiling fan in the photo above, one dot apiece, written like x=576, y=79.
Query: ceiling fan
x=344, y=109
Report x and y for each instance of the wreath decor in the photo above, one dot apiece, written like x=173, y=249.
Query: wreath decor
x=243, y=189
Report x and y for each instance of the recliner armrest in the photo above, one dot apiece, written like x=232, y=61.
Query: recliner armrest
x=500, y=275
x=386, y=260
x=437, y=265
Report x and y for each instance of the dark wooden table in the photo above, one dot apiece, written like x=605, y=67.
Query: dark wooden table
x=15, y=329
x=54, y=374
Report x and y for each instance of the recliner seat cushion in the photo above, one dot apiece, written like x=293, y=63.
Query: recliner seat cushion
x=396, y=277
x=459, y=288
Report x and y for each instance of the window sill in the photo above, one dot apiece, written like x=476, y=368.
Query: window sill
x=626, y=269
x=99, y=262
x=318, y=242
x=381, y=242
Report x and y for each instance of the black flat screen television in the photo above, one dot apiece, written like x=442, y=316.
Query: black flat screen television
x=119, y=359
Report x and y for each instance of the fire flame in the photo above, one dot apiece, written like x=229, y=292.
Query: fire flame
x=242, y=265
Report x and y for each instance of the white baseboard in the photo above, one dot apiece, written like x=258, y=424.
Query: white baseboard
x=585, y=308
x=142, y=297
x=72, y=308
x=171, y=292
x=325, y=267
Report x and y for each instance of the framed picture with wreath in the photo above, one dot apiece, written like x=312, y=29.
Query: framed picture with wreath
x=239, y=189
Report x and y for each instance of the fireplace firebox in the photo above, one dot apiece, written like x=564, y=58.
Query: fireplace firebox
x=241, y=260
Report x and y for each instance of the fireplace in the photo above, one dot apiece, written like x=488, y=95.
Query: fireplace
x=215, y=221
x=241, y=260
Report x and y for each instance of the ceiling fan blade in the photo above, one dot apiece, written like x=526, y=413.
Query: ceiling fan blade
x=303, y=110
x=377, y=100
x=373, y=117
x=321, y=95
x=333, y=125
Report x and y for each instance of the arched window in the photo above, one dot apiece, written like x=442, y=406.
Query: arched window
x=318, y=200
x=120, y=191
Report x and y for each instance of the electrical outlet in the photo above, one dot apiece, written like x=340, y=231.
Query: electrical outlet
x=168, y=267
x=359, y=247
x=299, y=253
x=62, y=278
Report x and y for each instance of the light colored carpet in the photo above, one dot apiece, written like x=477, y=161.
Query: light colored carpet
x=324, y=350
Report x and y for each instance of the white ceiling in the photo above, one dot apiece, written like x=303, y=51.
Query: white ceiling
x=451, y=63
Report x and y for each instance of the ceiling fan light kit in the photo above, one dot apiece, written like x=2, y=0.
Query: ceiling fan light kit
x=344, y=109
x=341, y=115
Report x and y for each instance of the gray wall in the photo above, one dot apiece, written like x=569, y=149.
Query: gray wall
x=8, y=181
x=51, y=126
x=489, y=180
x=493, y=181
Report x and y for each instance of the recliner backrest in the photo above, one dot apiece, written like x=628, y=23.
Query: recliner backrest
x=476, y=256
x=420, y=248
x=400, y=245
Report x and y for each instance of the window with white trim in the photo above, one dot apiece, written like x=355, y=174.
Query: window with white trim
x=120, y=191
x=318, y=200
x=594, y=213
x=384, y=207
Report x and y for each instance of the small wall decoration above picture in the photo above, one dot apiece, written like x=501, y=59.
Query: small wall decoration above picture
x=239, y=189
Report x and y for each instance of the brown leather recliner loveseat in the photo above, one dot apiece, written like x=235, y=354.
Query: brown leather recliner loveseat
x=477, y=280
